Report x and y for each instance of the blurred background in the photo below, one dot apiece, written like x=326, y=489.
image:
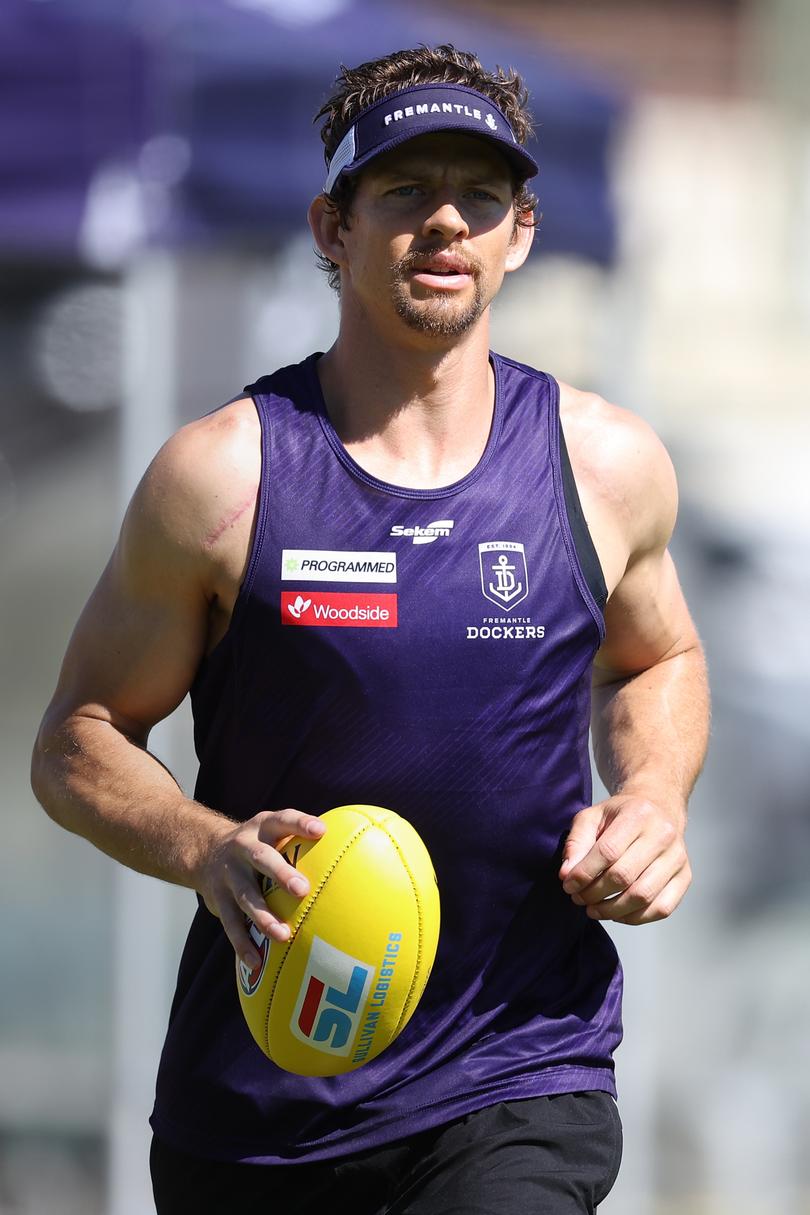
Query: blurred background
x=156, y=160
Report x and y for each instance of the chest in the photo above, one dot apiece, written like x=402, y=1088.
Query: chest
x=467, y=591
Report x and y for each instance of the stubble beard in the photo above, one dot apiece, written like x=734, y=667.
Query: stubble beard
x=440, y=315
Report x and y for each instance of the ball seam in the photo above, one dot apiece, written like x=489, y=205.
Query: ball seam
x=294, y=931
x=420, y=934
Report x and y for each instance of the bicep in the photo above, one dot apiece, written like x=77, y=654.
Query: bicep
x=137, y=644
x=646, y=620
x=143, y=634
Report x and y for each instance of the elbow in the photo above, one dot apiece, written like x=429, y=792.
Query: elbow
x=39, y=770
x=46, y=764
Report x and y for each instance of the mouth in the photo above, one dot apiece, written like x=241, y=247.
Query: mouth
x=442, y=273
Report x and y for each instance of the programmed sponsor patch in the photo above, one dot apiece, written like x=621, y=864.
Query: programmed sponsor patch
x=331, y=565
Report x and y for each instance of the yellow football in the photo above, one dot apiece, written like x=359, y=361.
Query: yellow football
x=361, y=946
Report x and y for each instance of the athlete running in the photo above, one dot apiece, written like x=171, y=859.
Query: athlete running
x=405, y=572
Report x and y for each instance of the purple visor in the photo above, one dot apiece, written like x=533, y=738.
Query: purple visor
x=421, y=110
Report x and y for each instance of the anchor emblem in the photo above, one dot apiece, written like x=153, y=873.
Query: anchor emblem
x=504, y=577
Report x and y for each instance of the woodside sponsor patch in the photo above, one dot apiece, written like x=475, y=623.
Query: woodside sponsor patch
x=339, y=609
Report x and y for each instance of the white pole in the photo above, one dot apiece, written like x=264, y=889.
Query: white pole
x=142, y=993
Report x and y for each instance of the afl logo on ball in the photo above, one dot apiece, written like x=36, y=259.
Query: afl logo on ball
x=249, y=980
x=331, y=999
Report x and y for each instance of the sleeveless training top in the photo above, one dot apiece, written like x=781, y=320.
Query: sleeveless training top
x=429, y=651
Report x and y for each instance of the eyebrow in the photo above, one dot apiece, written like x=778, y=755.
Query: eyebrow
x=419, y=166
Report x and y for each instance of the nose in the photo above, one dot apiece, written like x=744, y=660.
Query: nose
x=447, y=222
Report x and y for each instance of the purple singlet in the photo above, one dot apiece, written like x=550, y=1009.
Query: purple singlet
x=429, y=651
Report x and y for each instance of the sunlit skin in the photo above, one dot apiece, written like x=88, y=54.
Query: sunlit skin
x=431, y=234
x=410, y=390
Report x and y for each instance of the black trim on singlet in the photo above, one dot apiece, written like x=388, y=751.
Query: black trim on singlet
x=588, y=558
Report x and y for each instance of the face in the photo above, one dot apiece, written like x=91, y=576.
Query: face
x=431, y=235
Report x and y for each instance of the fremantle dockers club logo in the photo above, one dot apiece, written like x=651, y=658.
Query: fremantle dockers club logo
x=504, y=577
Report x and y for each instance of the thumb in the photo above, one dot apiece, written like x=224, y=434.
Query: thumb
x=581, y=838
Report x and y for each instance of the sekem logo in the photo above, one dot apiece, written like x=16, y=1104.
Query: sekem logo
x=424, y=535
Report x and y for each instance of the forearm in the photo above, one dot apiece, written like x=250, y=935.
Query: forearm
x=98, y=783
x=95, y=781
x=650, y=731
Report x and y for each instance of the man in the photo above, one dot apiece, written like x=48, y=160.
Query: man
x=468, y=479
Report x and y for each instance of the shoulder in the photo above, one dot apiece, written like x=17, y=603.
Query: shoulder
x=199, y=490
x=621, y=466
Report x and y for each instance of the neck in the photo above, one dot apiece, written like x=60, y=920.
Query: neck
x=418, y=412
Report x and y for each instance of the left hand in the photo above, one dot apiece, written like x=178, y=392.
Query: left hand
x=625, y=860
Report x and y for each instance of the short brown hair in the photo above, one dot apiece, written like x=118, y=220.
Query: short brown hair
x=360, y=87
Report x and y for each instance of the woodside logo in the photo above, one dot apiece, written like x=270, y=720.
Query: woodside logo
x=339, y=609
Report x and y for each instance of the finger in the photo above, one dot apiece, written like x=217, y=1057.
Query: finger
x=246, y=897
x=581, y=838
x=654, y=896
x=278, y=825
x=620, y=875
x=275, y=866
x=237, y=930
x=664, y=905
x=611, y=845
x=274, y=830
x=237, y=933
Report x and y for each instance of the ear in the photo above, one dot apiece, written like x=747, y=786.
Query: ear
x=325, y=224
x=520, y=243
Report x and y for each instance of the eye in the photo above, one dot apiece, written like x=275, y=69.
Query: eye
x=482, y=195
x=407, y=191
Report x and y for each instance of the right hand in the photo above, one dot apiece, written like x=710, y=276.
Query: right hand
x=229, y=882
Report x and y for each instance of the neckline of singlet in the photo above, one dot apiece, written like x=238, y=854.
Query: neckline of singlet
x=404, y=491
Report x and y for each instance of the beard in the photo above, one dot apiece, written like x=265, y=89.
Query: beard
x=440, y=315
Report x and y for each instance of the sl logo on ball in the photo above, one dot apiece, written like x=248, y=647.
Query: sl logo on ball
x=331, y=998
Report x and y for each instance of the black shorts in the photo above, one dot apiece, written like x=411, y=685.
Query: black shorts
x=551, y=1155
